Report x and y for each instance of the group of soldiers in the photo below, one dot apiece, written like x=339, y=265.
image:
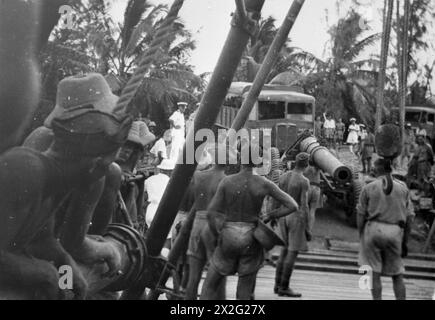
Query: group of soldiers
x=60, y=190
x=228, y=211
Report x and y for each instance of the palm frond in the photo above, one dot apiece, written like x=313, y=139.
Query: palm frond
x=143, y=28
x=355, y=50
x=306, y=58
x=133, y=13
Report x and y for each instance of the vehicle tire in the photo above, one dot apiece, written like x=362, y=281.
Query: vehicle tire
x=353, y=198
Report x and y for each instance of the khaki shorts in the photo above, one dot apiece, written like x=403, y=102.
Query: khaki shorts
x=202, y=241
x=292, y=229
x=381, y=248
x=237, y=250
x=314, y=195
x=329, y=133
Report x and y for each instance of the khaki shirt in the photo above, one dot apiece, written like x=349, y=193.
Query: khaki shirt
x=375, y=205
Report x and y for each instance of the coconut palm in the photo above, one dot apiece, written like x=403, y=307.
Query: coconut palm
x=257, y=49
x=97, y=43
x=344, y=83
x=121, y=47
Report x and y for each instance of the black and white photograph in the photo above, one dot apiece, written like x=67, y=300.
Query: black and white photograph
x=247, y=152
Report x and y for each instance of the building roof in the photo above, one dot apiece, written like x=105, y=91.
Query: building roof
x=285, y=93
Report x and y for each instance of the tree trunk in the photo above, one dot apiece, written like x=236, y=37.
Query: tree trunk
x=402, y=43
x=388, y=15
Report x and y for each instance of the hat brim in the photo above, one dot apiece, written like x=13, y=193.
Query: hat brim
x=106, y=104
x=165, y=168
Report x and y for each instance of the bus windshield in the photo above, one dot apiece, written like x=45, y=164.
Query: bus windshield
x=300, y=111
x=271, y=110
x=413, y=116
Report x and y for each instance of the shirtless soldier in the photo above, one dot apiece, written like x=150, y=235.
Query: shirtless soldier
x=293, y=228
x=202, y=241
x=312, y=173
x=239, y=199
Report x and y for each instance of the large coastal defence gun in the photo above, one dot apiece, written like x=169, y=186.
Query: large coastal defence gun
x=341, y=184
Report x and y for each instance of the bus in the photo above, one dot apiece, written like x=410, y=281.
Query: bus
x=283, y=109
x=420, y=114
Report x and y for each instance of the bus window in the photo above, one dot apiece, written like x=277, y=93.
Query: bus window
x=270, y=110
x=413, y=116
x=431, y=117
x=300, y=111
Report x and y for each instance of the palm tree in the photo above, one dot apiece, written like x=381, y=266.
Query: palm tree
x=99, y=44
x=343, y=84
x=257, y=49
x=120, y=47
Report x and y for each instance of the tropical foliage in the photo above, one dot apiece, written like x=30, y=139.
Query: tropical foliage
x=345, y=83
x=98, y=44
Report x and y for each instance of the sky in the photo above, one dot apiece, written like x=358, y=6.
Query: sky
x=209, y=22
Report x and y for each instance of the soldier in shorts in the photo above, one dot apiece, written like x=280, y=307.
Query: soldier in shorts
x=384, y=222
x=293, y=228
x=312, y=173
x=239, y=199
x=202, y=242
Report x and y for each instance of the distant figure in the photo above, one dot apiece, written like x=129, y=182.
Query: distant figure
x=159, y=151
x=384, y=223
x=177, y=131
x=408, y=144
x=329, y=129
x=155, y=187
x=367, y=151
x=421, y=131
x=352, y=138
x=128, y=158
x=423, y=161
x=318, y=127
x=340, y=128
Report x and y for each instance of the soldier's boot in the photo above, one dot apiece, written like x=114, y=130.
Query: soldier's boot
x=278, y=277
x=284, y=290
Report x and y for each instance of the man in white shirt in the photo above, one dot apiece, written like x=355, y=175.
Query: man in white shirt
x=155, y=187
x=160, y=149
x=177, y=131
x=329, y=127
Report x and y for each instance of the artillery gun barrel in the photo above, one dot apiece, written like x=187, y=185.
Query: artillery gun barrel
x=324, y=159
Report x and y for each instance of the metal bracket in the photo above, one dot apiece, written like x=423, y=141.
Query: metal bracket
x=248, y=22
